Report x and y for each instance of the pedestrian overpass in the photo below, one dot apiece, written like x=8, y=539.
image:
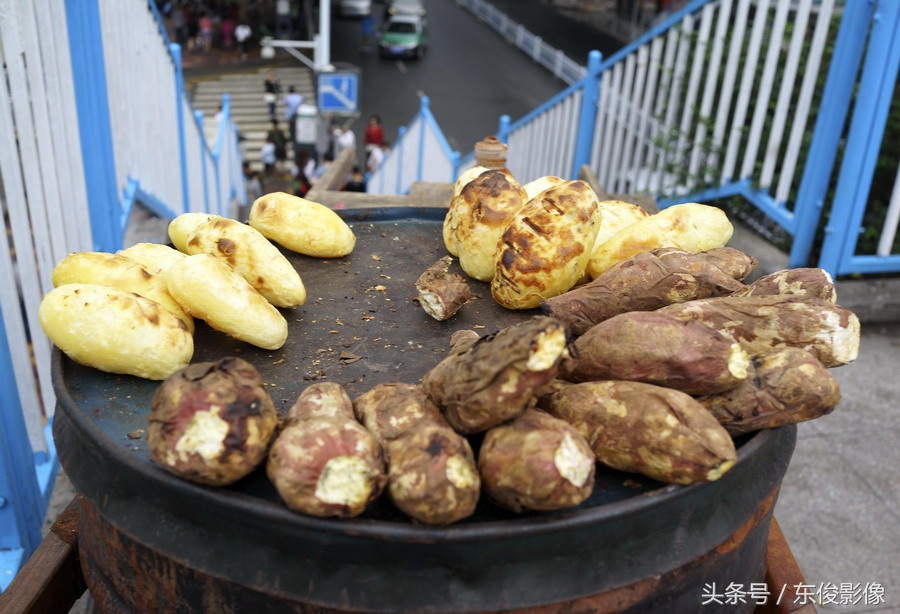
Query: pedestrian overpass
x=782, y=107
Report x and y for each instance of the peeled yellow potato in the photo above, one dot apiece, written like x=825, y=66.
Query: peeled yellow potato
x=690, y=226
x=154, y=256
x=477, y=218
x=182, y=226
x=252, y=256
x=212, y=291
x=115, y=331
x=617, y=215
x=301, y=225
x=118, y=271
x=545, y=249
x=536, y=186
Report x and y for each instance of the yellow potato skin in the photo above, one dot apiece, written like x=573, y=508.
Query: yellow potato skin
x=117, y=271
x=252, y=256
x=182, y=226
x=212, y=291
x=155, y=256
x=115, y=331
x=617, y=215
x=692, y=227
x=301, y=225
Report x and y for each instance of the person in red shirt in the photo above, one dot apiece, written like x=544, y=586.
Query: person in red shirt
x=374, y=134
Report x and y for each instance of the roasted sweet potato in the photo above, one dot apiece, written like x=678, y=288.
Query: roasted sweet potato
x=536, y=462
x=829, y=331
x=211, y=422
x=802, y=282
x=324, y=463
x=442, y=293
x=652, y=347
x=644, y=282
x=784, y=386
x=732, y=261
x=659, y=432
x=432, y=475
x=494, y=380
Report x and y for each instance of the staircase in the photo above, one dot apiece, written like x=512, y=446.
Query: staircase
x=248, y=110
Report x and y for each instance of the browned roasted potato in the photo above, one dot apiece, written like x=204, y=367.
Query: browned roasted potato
x=155, y=256
x=494, y=380
x=391, y=410
x=546, y=246
x=536, y=462
x=477, y=218
x=614, y=216
x=644, y=282
x=659, y=432
x=784, y=386
x=115, y=331
x=830, y=332
x=652, y=347
x=324, y=463
x=211, y=422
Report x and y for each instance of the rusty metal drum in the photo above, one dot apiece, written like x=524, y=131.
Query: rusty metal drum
x=151, y=542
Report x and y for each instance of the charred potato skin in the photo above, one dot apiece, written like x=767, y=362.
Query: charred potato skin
x=211, y=422
x=659, y=432
x=785, y=386
x=536, y=462
x=390, y=410
x=656, y=348
x=545, y=248
x=115, y=331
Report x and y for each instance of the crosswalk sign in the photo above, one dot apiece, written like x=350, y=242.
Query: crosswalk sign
x=338, y=93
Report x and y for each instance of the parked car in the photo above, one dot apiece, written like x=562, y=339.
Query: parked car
x=404, y=36
x=354, y=8
x=404, y=7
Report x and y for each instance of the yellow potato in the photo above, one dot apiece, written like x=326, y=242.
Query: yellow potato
x=464, y=178
x=115, y=331
x=212, y=291
x=477, y=218
x=546, y=247
x=154, y=256
x=182, y=226
x=118, y=271
x=617, y=215
x=536, y=186
x=301, y=225
x=690, y=226
x=252, y=256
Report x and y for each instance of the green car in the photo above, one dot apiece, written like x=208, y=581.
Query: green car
x=404, y=36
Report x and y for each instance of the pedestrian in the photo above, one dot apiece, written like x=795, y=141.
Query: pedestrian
x=292, y=102
x=368, y=33
x=179, y=25
x=374, y=134
x=344, y=139
x=357, y=182
x=227, y=28
x=242, y=34
x=267, y=155
x=376, y=157
x=303, y=167
x=205, y=25
x=272, y=89
x=280, y=141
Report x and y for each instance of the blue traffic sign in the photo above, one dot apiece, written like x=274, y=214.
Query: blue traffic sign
x=338, y=92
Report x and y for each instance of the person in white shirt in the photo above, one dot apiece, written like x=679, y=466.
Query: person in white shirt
x=292, y=102
x=344, y=139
